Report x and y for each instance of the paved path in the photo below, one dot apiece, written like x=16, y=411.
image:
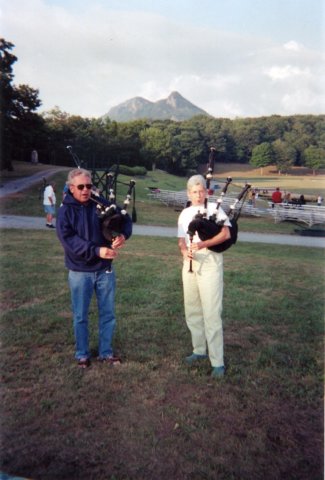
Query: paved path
x=15, y=186
x=36, y=223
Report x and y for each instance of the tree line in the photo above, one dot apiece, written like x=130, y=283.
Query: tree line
x=177, y=147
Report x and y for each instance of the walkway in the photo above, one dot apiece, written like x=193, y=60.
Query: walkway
x=15, y=186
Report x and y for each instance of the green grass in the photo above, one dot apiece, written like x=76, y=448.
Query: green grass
x=152, y=417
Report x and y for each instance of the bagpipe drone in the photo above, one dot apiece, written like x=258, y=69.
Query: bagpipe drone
x=112, y=217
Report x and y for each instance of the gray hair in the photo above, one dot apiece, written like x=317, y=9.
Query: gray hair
x=76, y=172
x=196, y=180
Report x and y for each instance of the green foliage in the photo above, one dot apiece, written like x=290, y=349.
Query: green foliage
x=19, y=123
x=133, y=171
x=314, y=157
x=179, y=147
x=138, y=171
x=155, y=142
x=262, y=155
x=285, y=155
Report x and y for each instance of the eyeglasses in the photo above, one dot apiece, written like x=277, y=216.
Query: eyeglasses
x=81, y=186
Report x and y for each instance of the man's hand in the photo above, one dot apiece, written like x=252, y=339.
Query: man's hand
x=118, y=242
x=107, y=253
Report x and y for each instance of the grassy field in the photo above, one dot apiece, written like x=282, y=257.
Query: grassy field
x=152, y=418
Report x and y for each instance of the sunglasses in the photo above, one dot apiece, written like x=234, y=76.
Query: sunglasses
x=81, y=186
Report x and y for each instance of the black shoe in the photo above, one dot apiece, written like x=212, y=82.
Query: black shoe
x=50, y=225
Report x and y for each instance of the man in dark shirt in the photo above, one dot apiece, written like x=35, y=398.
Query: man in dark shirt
x=88, y=257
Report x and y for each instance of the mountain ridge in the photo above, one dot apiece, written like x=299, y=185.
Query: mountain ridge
x=174, y=107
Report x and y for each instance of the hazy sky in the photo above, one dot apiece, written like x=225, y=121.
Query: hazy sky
x=233, y=58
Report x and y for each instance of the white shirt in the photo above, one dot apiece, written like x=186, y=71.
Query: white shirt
x=188, y=214
x=49, y=192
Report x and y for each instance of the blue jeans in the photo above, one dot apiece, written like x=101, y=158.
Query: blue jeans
x=82, y=286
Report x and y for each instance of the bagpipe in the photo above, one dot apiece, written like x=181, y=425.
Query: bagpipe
x=209, y=226
x=111, y=216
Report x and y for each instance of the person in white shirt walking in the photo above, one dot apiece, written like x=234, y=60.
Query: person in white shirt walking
x=49, y=201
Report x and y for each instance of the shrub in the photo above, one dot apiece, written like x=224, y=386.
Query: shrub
x=130, y=171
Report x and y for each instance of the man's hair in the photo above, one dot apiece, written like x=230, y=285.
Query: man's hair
x=196, y=180
x=76, y=173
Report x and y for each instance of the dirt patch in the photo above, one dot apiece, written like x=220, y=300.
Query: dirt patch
x=296, y=179
x=270, y=170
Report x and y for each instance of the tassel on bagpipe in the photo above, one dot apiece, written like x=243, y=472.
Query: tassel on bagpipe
x=209, y=227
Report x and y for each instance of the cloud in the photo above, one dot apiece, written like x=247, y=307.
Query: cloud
x=292, y=45
x=89, y=61
x=287, y=72
x=300, y=98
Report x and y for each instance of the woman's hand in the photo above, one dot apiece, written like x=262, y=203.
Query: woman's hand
x=183, y=248
x=197, y=246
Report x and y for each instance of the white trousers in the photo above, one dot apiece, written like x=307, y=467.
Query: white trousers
x=203, y=293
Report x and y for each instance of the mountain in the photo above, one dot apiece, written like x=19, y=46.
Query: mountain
x=174, y=107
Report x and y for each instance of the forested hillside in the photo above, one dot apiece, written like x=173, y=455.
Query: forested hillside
x=177, y=147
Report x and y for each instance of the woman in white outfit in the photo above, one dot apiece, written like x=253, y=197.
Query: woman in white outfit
x=203, y=289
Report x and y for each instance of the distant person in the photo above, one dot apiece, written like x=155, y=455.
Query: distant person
x=254, y=199
x=302, y=200
x=34, y=156
x=49, y=201
x=251, y=198
x=319, y=200
x=65, y=191
x=287, y=198
x=277, y=196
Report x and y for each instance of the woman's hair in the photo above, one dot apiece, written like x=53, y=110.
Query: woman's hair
x=76, y=172
x=195, y=180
